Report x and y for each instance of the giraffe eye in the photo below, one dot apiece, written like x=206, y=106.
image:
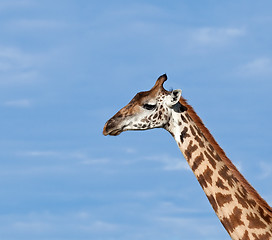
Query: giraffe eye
x=149, y=106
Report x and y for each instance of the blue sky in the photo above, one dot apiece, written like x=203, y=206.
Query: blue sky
x=68, y=66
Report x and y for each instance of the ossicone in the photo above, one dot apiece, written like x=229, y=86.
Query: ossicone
x=162, y=78
x=160, y=81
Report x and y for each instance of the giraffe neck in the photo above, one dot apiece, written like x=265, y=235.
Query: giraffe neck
x=243, y=213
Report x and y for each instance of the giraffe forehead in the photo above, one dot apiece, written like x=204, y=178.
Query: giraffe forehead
x=144, y=97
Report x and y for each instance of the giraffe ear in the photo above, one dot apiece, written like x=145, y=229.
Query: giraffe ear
x=173, y=98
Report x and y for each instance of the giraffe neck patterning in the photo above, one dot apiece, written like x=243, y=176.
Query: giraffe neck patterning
x=241, y=210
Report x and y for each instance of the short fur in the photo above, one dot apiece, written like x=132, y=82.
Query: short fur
x=223, y=156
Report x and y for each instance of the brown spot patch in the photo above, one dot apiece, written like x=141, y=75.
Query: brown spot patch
x=208, y=175
x=190, y=149
x=192, y=131
x=214, y=155
x=264, y=216
x=205, y=178
x=188, y=117
x=198, y=160
x=225, y=173
x=202, y=181
x=210, y=159
x=184, y=134
x=255, y=221
x=245, y=236
x=223, y=199
x=264, y=236
x=233, y=221
x=242, y=198
x=183, y=118
x=198, y=139
x=198, y=130
x=211, y=147
x=220, y=184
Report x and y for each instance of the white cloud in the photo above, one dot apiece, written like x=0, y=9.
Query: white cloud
x=95, y=161
x=170, y=163
x=203, y=226
x=41, y=153
x=259, y=67
x=9, y=57
x=48, y=223
x=81, y=157
x=22, y=103
x=218, y=36
x=17, y=66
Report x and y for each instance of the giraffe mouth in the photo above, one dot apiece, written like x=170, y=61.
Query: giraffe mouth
x=113, y=131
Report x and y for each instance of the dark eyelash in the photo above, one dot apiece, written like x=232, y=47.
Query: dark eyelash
x=149, y=106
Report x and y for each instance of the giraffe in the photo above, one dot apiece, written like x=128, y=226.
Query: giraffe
x=242, y=211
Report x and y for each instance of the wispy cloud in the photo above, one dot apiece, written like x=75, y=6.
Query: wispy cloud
x=95, y=161
x=261, y=67
x=42, y=153
x=170, y=163
x=100, y=226
x=16, y=66
x=81, y=157
x=47, y=223
x=21, y=103
x=218, y=36
x=204, y=227
x=9, y=57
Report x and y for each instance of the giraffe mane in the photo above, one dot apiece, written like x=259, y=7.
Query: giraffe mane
x=224, y=158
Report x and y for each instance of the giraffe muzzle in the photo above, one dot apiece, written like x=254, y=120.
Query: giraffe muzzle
x=112, y=128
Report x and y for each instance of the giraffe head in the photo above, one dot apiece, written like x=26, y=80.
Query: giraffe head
x=150, y=109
